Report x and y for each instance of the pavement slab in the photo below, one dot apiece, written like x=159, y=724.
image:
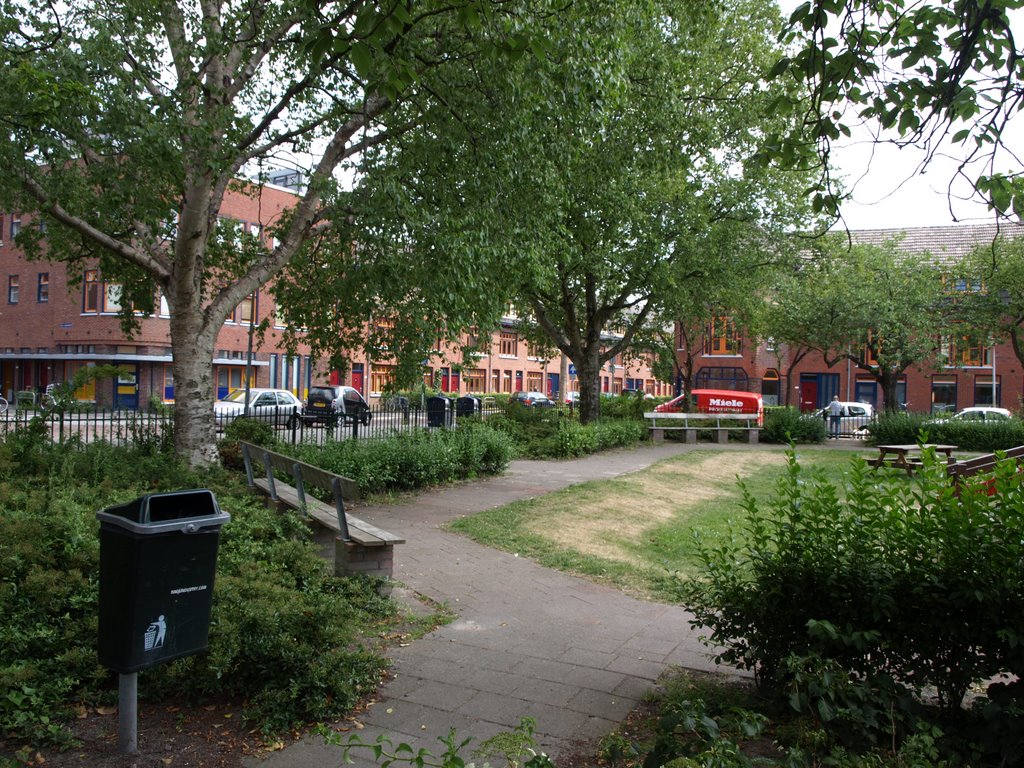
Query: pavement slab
x=528, y=641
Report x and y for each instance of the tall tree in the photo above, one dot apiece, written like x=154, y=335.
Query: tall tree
x=883, y=309
x=608, y=176
x=125, y=123
x=927, y=71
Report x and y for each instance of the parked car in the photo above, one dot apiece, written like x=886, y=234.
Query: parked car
x=278, y=406
x=854, y=419
x=532, y=399
x=572, y=398
x=980, y=413
x=329, y=404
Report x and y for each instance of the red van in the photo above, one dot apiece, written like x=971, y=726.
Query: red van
x=719, y=401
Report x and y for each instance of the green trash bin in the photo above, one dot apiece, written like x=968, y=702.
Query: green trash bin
x=158, y=557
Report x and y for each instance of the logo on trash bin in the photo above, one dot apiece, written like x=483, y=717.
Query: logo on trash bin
x=155, y=633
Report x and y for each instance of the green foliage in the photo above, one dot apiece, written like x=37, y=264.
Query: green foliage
x=696, y=723
x=283, y=630
x=517, y=748
x=907, y=428
x=629, y=406
x=255, y=431
x=785, y=425
x=896, y=580
x=918, y=71
x=546, y=433
x=284, y=634
x=415, y=460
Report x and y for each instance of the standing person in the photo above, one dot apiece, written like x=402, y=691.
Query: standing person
x=835, y=410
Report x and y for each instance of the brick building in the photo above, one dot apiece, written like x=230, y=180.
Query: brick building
x=983, y=376
x=53, y=322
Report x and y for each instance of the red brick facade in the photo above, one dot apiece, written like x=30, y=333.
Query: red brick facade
x=50, y=326
x=811, y=383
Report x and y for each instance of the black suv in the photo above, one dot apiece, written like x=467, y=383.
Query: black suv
x=331, y=404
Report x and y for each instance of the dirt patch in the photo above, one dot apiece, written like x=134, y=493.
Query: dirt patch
x=169, y=736
x=607, y=526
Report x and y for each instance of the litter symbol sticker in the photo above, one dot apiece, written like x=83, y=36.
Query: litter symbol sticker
x=155, y=634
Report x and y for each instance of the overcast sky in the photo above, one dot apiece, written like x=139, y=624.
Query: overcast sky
x=890, y=190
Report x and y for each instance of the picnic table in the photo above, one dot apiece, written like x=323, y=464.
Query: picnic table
x=908, y=457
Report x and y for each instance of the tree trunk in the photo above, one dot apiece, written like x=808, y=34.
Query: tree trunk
x=588, y=372
x=194, y=434
x=889, y=380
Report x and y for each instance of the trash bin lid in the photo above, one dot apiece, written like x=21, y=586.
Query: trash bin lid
x=185, y=511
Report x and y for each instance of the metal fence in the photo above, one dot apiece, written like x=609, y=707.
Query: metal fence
x=124, y=427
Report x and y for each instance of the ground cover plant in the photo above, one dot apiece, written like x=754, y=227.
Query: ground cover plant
x=550, y=433
x=633, y=531
x=415, y=460
x=286, y=636
x=908, y=590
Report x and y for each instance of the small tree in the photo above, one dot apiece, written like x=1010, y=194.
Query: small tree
x=883, y=309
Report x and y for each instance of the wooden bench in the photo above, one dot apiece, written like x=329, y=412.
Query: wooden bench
x=359, y=546
x=691, y=423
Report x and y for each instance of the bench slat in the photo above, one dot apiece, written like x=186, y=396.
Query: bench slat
x=359, y=531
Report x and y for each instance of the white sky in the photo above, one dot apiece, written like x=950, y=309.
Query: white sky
x=889, y=190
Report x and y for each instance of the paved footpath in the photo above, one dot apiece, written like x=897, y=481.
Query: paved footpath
x=528, y=641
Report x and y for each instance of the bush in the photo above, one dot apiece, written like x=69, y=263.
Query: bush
x=628, y=406
x=897, y=428
x=284, y=634
x=786, y=424
x=416, y=460
x=888, y=578
x=255, y=431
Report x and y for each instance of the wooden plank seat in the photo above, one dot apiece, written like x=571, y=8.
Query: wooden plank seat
x=360, y=546
x=692, y=423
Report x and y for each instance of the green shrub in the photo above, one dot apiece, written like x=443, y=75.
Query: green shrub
x=924, y=586
x=786, y=424
x=629, y=406
x=284, y=635
x=546, y=433
x=255, y=431
x=902, y=428
x=415, y=460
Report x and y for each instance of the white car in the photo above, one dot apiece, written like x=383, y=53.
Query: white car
x=854, y=418
x=980, y=413
x=278, y=407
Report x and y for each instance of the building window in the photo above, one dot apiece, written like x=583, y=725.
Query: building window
x=508, y=343
x=112, y=298
x=534, y=381
x=506, y=382
x=245, y=311
x=12, y=289
x=495, y=381
x=871, y=350
x=475, y=380
x=966, y=352
x=15, y=226
x=944, y=394
x=987, y=390
x=91, y=291
x=535, y=352
x=43, y=288
x=722, y=337
x=168, y=384
x=380, y=377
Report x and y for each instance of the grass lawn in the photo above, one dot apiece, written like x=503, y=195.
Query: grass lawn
x=633, y=530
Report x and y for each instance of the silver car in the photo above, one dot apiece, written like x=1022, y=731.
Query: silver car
x=278, y=407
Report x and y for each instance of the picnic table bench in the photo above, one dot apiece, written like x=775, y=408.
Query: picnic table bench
x=359, y=546
x=690, y=423
x=908, y=456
